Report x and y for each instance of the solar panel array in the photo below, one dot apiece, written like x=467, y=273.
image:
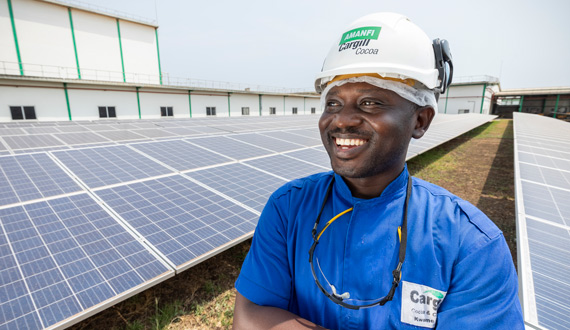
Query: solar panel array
x=94, y=212
x=542, y=183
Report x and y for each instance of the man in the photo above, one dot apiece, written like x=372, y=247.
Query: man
x=397, y=252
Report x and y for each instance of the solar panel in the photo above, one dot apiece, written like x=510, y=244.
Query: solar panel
x=242, y=183
x=32, y=141
x=64, y=257
x=33, y=176
x=317, y=156
x=290, y=137
x=104, y=166
x=266, y=142
x=542, y=185
x=81, y=138
x=181, y=155
x=229, y=147
x=286, y=167
x=181, y=219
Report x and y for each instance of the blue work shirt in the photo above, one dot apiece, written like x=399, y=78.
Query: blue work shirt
x=458, y=272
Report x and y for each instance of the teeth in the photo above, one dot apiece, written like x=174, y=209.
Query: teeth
x=349, y=142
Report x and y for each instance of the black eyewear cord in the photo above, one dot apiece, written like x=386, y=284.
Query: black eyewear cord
x=397, y=273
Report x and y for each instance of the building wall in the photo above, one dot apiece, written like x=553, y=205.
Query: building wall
x=201, y=100
x=84, y=101
x=48, y=98
x=152, y=99
x=237, y=101
x=98, y=48
x=48, y=102
x=139, y=52
x=275, y=101
x=44, y=39
x=7, y=46
x=461, y=98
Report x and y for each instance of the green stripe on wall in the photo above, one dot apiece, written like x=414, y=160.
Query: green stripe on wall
x=483, y=97
x=121, y=49
x=67, y=100
x=158, y=54
x=190, y=102
x=74, y=44
x=139, y=102
x=15, y=37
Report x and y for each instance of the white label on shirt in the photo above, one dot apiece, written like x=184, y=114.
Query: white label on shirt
x=420, y=304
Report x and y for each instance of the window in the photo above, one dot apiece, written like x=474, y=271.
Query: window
x=313, y=110
x=459, y=111
x=166, y=111
x=294, y=111
x=271, y=110
x=107, y=112
x=26, y=112
x=210, y=111
x=245, y=111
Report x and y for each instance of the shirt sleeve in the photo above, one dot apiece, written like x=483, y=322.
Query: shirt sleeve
x=484, y=290
x=265, y=276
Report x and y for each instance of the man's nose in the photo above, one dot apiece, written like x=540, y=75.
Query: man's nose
x=348, y=116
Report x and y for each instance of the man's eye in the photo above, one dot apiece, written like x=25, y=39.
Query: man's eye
x=333, y=103
x=370, y=103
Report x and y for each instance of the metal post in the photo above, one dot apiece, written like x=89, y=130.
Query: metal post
x=260, y=105
x=556, y=106
x=190, y=102
x=67, y=100
x=229, y=108
x=483, y=97
x=446, y=98
x=139, y=102
x=520, y=105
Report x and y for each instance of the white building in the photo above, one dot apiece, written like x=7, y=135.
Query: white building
x=469, y=95
x=66, y=62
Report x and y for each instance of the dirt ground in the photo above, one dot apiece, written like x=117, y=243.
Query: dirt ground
x=477, y=166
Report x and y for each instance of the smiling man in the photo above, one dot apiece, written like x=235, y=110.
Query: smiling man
x=367, y=246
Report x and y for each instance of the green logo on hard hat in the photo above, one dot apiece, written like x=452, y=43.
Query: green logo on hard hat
x=435, y=293
x=367, y=32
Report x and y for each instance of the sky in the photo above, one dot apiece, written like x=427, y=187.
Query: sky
x=524, y=43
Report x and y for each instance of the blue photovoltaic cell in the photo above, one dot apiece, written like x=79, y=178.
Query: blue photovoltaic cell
x=312, y=155
x=180, y=218
x=242, y=183
x=109, y=165
x=286, y=167
x=34, y=176
x=549, y=253
x=546, y=202
x=72, y=256
x=180, y=155
x=231, y=148
x=290, y=137
x=267, y=142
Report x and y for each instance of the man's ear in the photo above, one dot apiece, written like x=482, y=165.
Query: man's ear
x=424, y=116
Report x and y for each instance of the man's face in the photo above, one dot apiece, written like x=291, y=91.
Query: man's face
x=366, y=130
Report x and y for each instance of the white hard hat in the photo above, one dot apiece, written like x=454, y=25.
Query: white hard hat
x=388, y=45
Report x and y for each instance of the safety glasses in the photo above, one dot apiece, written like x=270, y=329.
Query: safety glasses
x=329, y=290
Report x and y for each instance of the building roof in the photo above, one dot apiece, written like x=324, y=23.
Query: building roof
x=534, y=91
x=104, y=11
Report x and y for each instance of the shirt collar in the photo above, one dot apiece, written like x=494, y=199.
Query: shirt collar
x=398, y=185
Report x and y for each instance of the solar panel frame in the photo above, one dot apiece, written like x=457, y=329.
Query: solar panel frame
x=541, y=306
